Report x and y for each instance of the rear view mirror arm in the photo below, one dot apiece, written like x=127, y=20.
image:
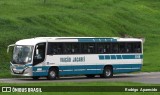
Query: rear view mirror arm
x=9, y=47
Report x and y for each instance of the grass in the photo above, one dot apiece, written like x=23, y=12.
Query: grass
x=21, y=19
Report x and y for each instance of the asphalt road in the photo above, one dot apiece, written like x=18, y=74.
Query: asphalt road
x=150, y=78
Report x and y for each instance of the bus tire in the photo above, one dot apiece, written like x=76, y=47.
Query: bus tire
x=107, y=72
x=35, y=77
x=52, y=74
x=90, y=76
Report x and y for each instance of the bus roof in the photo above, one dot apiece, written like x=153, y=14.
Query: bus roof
x=34, y=41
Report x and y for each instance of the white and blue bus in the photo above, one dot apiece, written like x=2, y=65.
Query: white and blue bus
x=52, y=57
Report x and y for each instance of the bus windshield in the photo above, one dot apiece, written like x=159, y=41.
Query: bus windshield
x=22, y=54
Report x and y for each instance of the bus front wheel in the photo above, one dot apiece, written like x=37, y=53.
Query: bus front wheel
x=107, y=72
x=52, y=74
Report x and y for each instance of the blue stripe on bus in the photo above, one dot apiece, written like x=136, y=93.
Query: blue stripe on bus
x=88, y=69
x=113, y=56
x=119, y=56
x=107, y=57
x=114, y=40
x=43, y=72
x=104, y=57
x=129, y=57
x=125, y=68
x=40, y=73
x=101, y=57
x=83, y=69
x=97, y=40
x=22, y=67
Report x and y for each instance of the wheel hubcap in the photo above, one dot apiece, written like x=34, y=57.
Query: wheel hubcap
x=52, y=74
x=108, y=72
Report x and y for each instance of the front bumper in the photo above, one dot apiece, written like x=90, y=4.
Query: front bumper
x=21, y=70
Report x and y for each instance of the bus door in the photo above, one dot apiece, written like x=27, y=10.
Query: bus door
x=38, y=59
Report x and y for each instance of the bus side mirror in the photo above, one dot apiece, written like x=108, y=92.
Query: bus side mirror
x=12, y=45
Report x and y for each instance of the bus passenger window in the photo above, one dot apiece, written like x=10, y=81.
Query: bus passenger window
x=71, y=48
x=129, y=48
x=103, y=48
x=137, y=47
x=58, y=48
x=107, y=48
x=88, y=48
x=75, y=48
x=121, y=47
x=115, y=48
x=54, y=48
x=84, y=48
x=67, y=48
x=91, y=48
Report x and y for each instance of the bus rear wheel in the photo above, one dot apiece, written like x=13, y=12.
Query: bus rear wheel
x=107, y=72
x=52, y=74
